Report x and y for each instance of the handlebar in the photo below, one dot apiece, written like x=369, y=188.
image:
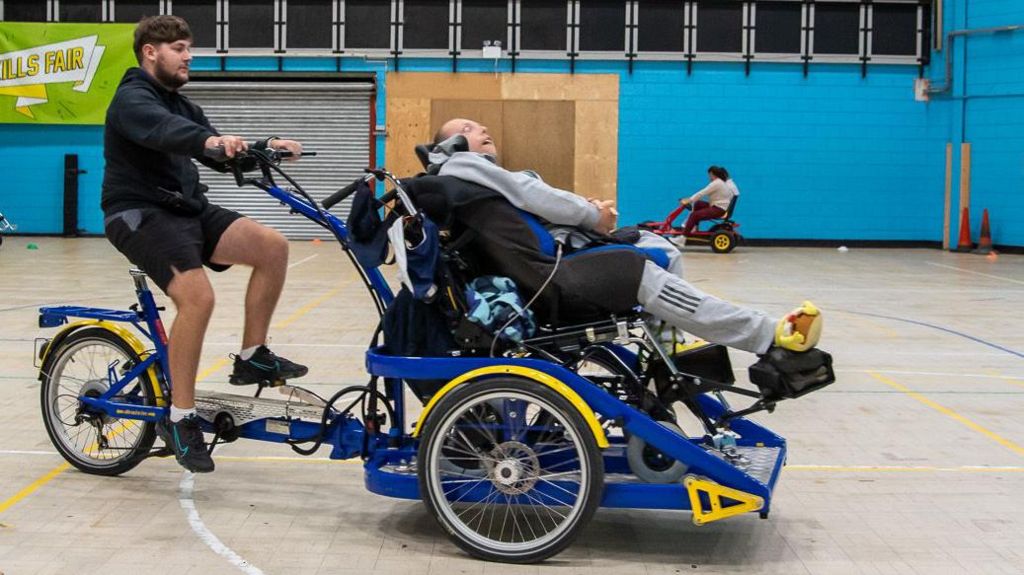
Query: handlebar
x=345, y=192
x=218, y=154
x=268, y=157
x=342, y=194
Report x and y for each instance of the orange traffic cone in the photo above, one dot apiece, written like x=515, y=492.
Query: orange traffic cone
x=964, y=245
x=985, y=241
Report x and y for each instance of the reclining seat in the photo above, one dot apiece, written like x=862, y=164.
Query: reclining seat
x=589, y=284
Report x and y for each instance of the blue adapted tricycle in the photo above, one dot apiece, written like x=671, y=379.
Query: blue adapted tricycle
x=518, y=442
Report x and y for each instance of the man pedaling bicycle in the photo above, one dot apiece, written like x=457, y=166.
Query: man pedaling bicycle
x=157, y=215
x=619, y=279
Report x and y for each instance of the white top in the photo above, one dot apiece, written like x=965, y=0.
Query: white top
x=719, y=193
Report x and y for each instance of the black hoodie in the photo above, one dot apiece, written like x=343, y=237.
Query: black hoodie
x=151, y=136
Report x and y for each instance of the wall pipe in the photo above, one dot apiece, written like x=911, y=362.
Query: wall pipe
x=948, y=82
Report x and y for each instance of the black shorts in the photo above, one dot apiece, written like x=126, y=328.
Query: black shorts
x=160, y=242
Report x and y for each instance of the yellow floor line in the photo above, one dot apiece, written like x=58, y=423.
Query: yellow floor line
x=35, y=485
x=204, y=374
x=309, y=306
x=950, y=413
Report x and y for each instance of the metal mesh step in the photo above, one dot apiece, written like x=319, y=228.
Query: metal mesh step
x=757, y=462
x=244, y=409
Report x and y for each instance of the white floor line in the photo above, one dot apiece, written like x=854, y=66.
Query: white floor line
x=302, y=261
x=961, y=468
x=975, y=273
x=188, y=504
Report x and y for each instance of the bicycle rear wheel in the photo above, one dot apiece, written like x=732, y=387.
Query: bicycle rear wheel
x=84, y=365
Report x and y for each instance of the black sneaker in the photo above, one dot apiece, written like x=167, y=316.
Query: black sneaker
x=185, y=439
x=266, y=368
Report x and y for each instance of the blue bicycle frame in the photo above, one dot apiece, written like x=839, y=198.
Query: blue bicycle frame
x=388, y=452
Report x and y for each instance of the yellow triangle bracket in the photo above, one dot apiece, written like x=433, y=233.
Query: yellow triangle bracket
x=715, y=494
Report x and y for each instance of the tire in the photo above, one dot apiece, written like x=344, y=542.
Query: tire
x=723, y=242
x=78, y=367
x=546, y=516
x=651, y=465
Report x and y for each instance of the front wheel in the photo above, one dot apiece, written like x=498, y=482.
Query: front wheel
x=86, y=364
x=723, y=242
x=537, y=473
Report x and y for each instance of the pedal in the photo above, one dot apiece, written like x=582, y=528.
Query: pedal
x=244, y=409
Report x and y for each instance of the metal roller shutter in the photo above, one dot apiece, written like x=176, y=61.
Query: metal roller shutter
x=332, y=119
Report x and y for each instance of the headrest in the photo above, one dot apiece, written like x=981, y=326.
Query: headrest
x=441, y=152
x=423, y=154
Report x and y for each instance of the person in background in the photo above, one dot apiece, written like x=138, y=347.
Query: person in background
x=719, y=193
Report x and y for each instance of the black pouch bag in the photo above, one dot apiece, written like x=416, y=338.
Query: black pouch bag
x=784, y=374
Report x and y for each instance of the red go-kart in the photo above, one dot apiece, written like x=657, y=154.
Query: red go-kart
x=721, y=236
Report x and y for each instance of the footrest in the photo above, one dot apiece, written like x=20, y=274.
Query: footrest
x=715, y=494
x=244, y=409
x=783, y=374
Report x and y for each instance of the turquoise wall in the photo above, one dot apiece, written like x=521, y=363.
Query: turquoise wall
x=832, y=155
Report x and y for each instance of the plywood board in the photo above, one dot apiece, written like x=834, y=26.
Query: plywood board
x=595, y=168
x=575, y=87
x=408, y=122
x=443, y=86
x=539, y=136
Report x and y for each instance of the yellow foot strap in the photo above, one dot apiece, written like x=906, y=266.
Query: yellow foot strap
x=715, y=494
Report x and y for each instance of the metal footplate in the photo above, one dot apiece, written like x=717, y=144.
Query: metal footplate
x=757, y=462
x=244, y=409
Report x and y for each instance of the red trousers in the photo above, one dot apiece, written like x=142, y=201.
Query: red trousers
x=699, y=212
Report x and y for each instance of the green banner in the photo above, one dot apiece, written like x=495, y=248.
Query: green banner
x=61, y=73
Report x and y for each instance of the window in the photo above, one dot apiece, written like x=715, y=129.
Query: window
x=661, y=26
x=603, y=25
x=484, y=20
x=201, y=16
x=132, y=11
x=24, y=11
x=894, y=29
x=310, y=24
x=367, y=24
x=719, y=26
x=777, y=27
x=543, y=25
x=426, y=25
x=80, y=11
x=836, y=28
x=251, y=24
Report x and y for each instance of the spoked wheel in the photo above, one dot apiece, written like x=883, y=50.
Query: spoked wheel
x=510, y=469
x=83, y=366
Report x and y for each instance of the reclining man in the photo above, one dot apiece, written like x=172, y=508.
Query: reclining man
x=157, y=215
x=618, y=279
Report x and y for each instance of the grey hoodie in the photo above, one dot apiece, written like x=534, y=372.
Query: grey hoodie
x=525, y=190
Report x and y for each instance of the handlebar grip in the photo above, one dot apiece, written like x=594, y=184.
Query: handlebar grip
x=287, y=154
x=216, y=154
x=341, y=194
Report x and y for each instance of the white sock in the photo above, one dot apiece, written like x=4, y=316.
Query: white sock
x=177, y=414
x=246, y=353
